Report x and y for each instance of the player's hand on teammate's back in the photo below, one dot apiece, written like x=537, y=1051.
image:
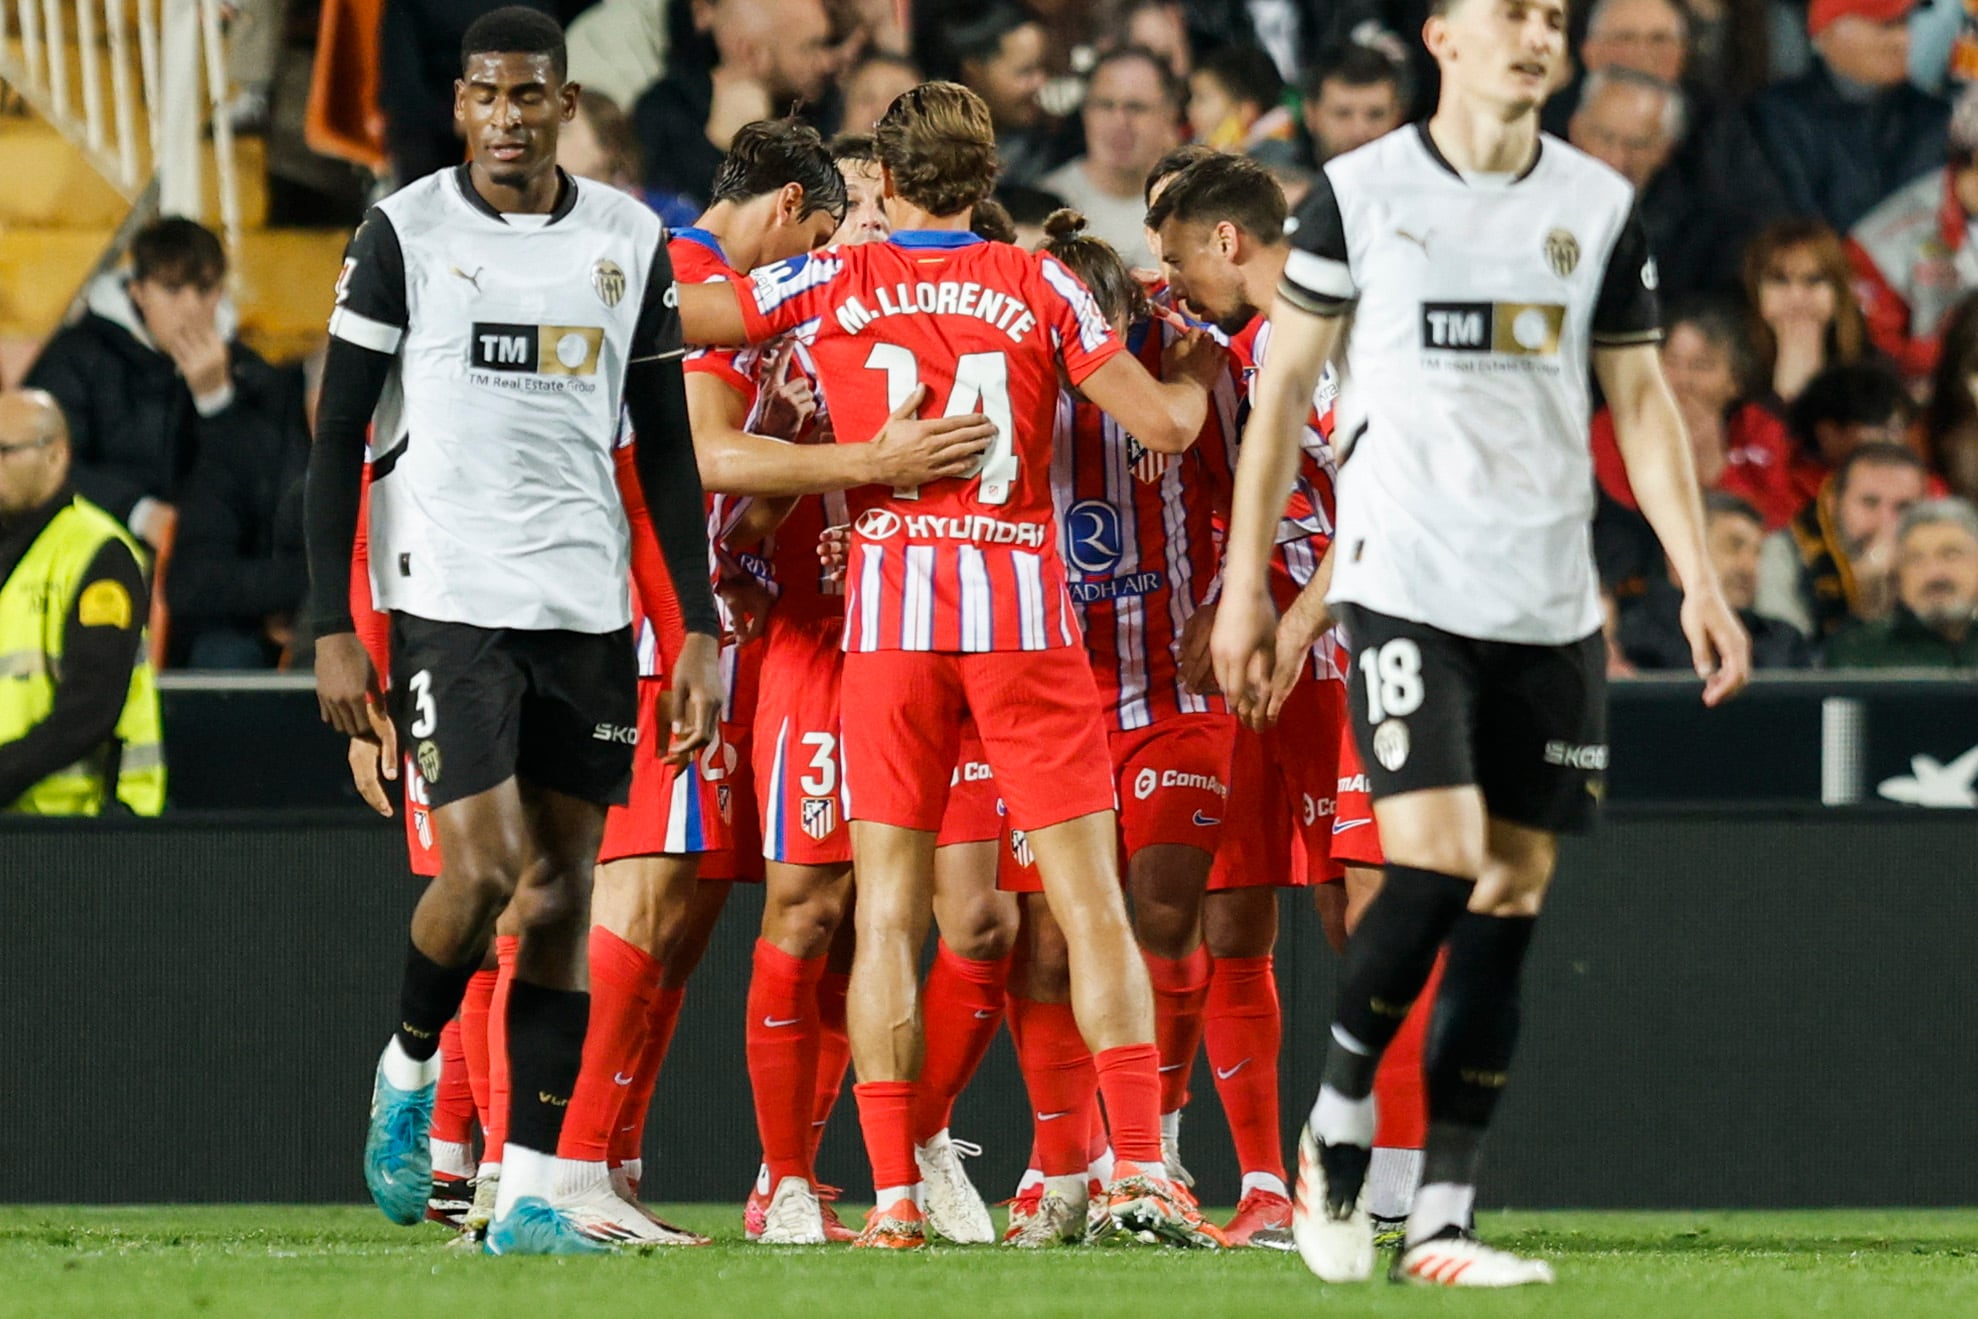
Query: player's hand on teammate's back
x=1719, y=644
x=1243, y=645
x=346, y=685
x=914, y=451
x=1195, y=356
x=696, y=698
x=1198, y=671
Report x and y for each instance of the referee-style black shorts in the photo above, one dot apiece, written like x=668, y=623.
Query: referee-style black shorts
x=475, y=706
x=1525, y=724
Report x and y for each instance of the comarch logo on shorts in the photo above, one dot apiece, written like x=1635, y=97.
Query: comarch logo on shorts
x=884, y=524
x=1148, y=781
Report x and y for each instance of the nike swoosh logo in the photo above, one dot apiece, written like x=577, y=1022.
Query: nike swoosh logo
x=1204, y=821
x=982, y=1014
x=774, y=1024
x=1172, y=1067
x=1221, y=1075
x=619, y=1078
x=1053, y=1117
x=1341, y=826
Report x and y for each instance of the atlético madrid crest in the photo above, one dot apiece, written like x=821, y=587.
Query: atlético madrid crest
x=820, y=816
x=608, y=280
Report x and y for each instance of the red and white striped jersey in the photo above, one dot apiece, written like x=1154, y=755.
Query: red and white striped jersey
x=1137, y=530
x=1309, y=512
x=965, y=565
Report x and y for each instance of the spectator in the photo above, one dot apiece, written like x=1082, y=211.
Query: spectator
x=1804, y=316
x=871, y=85
x=1160, y=26
x=418, y=66
x=1235, y=104
x=1648, y=36
x=1000, y=54
x=1132, y=116
x=1851, y=129
x=1936, y=597
x=1629, y=121
x=1740, y=448
x=1950, y=419
x=618, y=48
x=1651, y=633
x=768, y=56
x=79, y=706
x=1913, y=257
x=600, y=144
x=1834, y=561
x=1352, y=95
x=191, y=440
x=1841, y=409
x=1028, y=208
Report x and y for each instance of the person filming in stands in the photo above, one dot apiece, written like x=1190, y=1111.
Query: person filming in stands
x=1485, y=268
x=493, y=322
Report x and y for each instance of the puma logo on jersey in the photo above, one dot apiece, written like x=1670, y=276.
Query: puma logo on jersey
x=474, y=279
x=1422, y=242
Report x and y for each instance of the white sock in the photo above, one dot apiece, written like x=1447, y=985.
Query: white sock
x=404, y=1072
x=1264, y=1181
x=762, y=1186
x=1031, y=1177
x=1391, y=1179
x=633, y=1171
x=578, y=1177
x=452, y=1158
x=1073, y=1188
x=1437, y=1206
x=938, y=1138
x=1100, y=1169
x=490, y=1172
x=892, y=1195
x=524, y=1173
x=1171, y=1127
x=1337, y=1120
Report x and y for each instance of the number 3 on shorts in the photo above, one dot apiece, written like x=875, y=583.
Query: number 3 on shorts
x=425, y=717
x=1394, y=679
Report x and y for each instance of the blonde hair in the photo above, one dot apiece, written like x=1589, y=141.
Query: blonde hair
x=939, y=144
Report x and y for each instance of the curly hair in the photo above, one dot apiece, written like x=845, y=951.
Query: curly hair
x=937, y=141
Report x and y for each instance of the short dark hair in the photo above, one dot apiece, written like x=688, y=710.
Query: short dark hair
x=1876, y=453
x=979, y=35
x=772, y=153
x=175, y=250
x=1717, y=503
x=1245, y=73
x=1172, y=164
x=1851, y=394
x=991, y=220
x=1721, y=323
x=516, y=28
x=1355, y=65
x=613, y=129
x=1171, y=87
x=854, y=148
x=1222, y=188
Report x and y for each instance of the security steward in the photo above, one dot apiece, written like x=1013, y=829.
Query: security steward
x=78, y=700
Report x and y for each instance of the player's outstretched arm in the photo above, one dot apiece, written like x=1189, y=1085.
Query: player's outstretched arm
x=1163, y=415
x=1660, y=468
x=346, y=684
x=1243, y=644
x=711, y=314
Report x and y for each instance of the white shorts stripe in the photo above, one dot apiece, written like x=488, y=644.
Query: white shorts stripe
x=772, y=819
x=679, y=808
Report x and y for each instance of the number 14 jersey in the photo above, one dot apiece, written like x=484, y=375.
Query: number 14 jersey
x=965, y=565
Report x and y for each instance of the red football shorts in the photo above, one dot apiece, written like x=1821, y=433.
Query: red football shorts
x=798, y=772
x=975, y=806
x=1037, y=711
x=422, y=840
x=1016, y=868
x=728, y=767
x=1173, y=781
x=670, y=811
x=1282, y=785
x=1355, y=836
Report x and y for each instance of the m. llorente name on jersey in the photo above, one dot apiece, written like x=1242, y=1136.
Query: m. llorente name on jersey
x=945, y=297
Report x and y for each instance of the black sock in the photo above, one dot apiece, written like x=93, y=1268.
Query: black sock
x=1471, y=1040
x=545, y=1049
x=428, y=997
x=1388, y=960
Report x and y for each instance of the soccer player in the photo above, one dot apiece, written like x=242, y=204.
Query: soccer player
x=956, y=605
x=1486, y=268
x=492, y=323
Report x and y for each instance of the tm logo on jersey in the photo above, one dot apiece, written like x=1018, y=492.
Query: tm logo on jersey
x=542, y=350
x=1515, y=329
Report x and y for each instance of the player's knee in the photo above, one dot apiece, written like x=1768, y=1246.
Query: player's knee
x=981, y=930
x=804, y=926
x=486, y=879
x=558, y=902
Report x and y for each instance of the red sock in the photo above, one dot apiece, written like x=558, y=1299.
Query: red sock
x=1058, y=1073
x=782, y=1047
x=1243, y=1029
x=453, y=1106
x=474, y=1038
x=961, y=1011
x=1181, y=989
x=496, y=1134
x=1130, y=1080
x=834, y=1053
x=886, y=1118
x=1401, y=1097
x=623, y=980
x=629, y=1140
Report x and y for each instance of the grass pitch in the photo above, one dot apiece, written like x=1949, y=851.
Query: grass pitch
x=288, y=1260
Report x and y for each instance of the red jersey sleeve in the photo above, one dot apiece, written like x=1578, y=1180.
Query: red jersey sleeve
x=1084, y=340
x=649, y=575
x=780, y=297
x=1608, y=468
x=373, y=624
x=727, y=366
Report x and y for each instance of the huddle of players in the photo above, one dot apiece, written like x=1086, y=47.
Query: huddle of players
x=1213, y=816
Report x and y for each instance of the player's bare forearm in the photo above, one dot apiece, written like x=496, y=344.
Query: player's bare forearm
x=1656, y=453
x=1165, y=416
x=734, y=461
x=712, y=314
x=1268, y=463
x=759, y=521
x=1309, y=615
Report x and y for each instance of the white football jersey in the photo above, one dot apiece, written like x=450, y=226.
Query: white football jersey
x=493, y=498
x=1466, y=495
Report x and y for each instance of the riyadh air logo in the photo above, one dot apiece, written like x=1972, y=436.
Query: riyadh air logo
x=1094, y=538
x=878, y=524
x=1930, y=783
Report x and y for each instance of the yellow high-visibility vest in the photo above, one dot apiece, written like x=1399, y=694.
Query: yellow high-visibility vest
x=34, y=609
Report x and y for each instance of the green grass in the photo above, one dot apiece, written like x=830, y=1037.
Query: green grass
x=285, y=1260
